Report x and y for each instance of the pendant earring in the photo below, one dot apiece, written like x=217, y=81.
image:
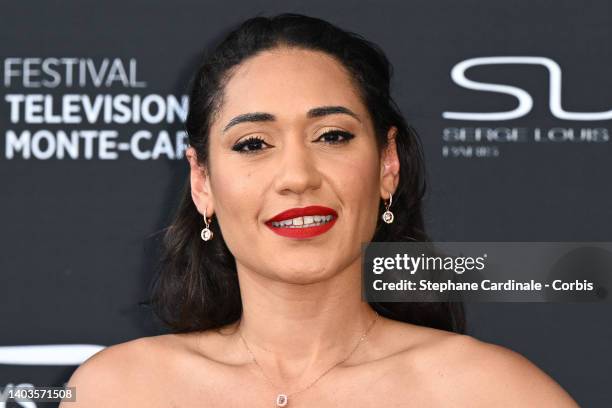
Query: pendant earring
x=206, y=233
x=388, y=215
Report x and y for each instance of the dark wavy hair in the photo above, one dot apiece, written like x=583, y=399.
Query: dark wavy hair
x=197, y=285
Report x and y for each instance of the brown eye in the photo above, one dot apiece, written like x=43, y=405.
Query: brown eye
x=336, y=137
x=249, y=145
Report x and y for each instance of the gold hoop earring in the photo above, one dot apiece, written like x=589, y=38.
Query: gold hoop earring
x=388, y=215
x=206, y=233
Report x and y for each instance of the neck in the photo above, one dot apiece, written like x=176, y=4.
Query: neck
x=294, y=330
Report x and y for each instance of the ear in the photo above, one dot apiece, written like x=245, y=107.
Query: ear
x=201, y=193
x=389, y=166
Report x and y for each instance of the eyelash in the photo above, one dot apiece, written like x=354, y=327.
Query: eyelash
x=257, y=140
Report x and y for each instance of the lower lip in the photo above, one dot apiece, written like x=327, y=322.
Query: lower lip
x=307, y=232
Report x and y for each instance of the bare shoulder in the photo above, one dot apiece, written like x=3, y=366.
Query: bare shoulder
x=471, y=372
x=145, y=371
x=122, y=374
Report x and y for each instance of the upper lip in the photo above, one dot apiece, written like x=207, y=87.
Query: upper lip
x=300, y=212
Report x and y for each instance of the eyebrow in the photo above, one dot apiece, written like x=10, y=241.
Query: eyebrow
x=312, y=113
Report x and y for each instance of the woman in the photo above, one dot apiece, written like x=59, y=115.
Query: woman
x=296, y=150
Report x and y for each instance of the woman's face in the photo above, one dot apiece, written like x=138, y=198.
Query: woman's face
x=286, y=158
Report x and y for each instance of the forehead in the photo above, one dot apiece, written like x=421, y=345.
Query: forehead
x=288, y=82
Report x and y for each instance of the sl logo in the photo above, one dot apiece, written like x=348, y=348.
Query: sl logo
x=525, y=101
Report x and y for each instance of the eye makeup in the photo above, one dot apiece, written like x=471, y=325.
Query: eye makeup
x=254, y=143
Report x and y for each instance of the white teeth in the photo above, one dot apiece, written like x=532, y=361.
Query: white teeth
x=303, y=222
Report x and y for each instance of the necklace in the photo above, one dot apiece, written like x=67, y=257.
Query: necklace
x=282, y=399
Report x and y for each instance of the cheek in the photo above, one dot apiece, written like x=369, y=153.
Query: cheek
x=358, y=185
x=236, y=198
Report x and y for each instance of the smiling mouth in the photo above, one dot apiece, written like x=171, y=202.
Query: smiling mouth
x=306, y=221
x=303, y=223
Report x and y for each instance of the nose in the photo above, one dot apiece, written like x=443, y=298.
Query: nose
x=297, y=170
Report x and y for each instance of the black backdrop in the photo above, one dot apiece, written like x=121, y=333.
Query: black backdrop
x=79, y=235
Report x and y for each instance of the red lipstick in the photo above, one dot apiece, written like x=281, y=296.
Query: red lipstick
x=303, y=232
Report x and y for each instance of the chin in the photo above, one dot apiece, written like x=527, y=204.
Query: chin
x=304, y=276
